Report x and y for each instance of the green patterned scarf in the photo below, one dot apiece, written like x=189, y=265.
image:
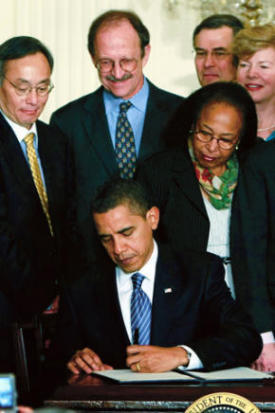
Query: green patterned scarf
x=218, y=188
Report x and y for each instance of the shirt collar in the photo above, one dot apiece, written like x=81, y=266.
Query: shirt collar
x=148, y=270
x=20, y=131
x=139, y=100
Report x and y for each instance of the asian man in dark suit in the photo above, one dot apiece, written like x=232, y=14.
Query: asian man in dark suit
x=118, y=43
x=147, y=308
x=35, y=188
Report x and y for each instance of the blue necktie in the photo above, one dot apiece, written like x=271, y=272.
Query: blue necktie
x=125, y=144
x=140, y=311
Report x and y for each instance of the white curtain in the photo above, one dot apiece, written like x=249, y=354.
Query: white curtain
x=63, y=26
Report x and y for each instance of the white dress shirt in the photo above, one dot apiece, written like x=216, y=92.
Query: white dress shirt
x=125, y=289
x=218, y=238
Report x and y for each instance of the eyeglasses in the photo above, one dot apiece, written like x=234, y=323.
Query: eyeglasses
x=41, y=90
x=215, y=54
x=106, y=65
x=223, y=143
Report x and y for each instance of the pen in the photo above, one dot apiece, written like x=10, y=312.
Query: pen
x=136, y=336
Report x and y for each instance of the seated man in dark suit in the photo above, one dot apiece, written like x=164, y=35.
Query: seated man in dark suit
x=147, y=308
x=126, y=107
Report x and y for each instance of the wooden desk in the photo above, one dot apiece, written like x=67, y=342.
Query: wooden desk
x=91, y=393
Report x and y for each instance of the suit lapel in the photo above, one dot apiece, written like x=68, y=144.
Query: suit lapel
x=12, y=153
x=168, y=286
x=155, y=111
x=96, y=125
x=110, y=294
x=183, y=174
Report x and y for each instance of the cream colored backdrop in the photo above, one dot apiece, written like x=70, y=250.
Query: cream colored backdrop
x=63, y=26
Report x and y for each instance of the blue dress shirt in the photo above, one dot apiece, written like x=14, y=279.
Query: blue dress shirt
x=271, y=136
x=135, y=114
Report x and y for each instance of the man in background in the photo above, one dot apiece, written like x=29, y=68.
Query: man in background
x=34, y=187
x=212, y=42
x=123, y=122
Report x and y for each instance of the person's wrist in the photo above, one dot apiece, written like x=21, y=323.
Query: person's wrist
x=184, y=357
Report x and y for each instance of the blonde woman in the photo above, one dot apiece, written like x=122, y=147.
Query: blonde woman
x=255, y=48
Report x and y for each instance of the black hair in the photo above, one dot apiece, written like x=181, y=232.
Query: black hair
x=215, y=21
x=230, y=93
x=118, y=191
x=21, y=46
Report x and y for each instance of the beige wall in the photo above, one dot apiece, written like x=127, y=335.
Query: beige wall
x=63, y=25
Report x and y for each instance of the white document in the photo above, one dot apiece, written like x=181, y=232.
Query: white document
x=129, y=376
x=235, y=374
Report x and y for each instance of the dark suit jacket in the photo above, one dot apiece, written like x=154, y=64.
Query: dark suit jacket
x=85, y=123
x=29, y=257
x=174, y=188
x=253, y=236
x=199, y=312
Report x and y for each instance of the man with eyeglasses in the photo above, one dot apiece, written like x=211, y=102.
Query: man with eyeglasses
x=33, y=188
x=212, y=40
x=118, y=43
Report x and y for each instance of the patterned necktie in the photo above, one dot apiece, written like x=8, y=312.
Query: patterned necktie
x=125, y=144
x=37, y=179
x=140, y=311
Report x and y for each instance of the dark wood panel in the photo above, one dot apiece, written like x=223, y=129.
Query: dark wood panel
x=95, y=394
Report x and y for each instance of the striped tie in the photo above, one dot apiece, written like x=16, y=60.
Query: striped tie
x=140, y=311
x=37, y=179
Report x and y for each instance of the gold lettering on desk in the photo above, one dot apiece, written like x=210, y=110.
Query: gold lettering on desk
x=222, y=403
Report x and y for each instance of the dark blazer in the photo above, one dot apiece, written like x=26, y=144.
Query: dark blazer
x=198, y=312
x=85, y=123
x=173, y=187
x=253, y=236
x=30, y=259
